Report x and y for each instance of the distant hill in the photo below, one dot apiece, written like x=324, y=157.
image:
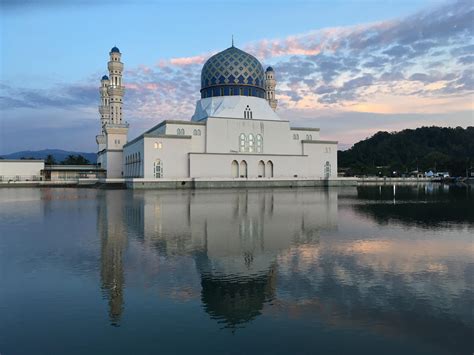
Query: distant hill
x=426, y=148
x=58, y=154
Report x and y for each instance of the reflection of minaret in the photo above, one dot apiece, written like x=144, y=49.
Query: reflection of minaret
x=113, y=243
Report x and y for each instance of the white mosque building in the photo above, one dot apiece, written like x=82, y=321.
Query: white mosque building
x=234, y=134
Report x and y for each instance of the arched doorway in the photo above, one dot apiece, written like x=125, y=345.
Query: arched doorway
x=261, y=169
x=158, y=169
x=327, y=170
x=234, y=169
x=243, y=169
x=269, y=169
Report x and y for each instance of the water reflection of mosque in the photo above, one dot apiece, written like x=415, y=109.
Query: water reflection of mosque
x=233, y=236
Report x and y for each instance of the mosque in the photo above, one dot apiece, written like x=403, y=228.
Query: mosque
x=235, y=133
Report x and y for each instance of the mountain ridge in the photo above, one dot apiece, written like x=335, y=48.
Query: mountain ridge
x=58, y=154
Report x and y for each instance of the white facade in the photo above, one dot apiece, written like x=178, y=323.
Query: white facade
x=234, y=133
x=21, y=170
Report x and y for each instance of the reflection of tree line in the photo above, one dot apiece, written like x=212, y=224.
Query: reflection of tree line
x=420, y=205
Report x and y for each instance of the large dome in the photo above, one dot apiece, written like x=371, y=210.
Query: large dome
x=232, y=72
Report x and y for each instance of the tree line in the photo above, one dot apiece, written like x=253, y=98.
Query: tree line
x=69, y=160
x=422, y=149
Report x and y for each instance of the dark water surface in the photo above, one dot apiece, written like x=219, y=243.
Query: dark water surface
x=368, y=270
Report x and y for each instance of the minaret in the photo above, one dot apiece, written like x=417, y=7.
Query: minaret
x=104, y=112
x=115, y=88
x=114, y=129
x=104, y=108
x=270, y=84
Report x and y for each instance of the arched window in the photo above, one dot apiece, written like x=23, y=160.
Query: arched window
x=243, y=169
x=309, y=137
x=194, y=132
x=261, y=168
x=158, y=169
x=269, y=169
x=234, y=167
x=296, y=136
x=251, y=147
x=259, y=143
x=327, y=170
x=199, y=132
x=242, y=141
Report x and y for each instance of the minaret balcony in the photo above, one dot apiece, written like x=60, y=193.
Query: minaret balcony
x=103, y=109
x=116, y=90
x=100, y=139
x=115, y=66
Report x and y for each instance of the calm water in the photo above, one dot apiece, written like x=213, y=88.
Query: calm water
x=369, y=270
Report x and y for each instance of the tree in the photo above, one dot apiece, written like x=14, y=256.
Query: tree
x=50, y=160
x=425, y=148
x=75, y=160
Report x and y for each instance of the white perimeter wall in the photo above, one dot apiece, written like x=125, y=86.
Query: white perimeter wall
x=25, y=168
x=319, y=154
x=173, y=155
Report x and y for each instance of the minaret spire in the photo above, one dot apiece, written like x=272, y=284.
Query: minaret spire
x=232, y=40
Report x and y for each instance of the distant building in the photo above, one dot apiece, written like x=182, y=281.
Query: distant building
x=12, y=170
x=72, y=172
x=235, y=131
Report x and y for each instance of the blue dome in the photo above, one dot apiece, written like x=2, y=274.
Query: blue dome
x=114, y=50
x=232, y=72
x=269, y=69
x=105, y=77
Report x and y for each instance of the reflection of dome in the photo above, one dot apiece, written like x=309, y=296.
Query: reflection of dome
x=232, y=72
x=236, y=301
x=234, y=298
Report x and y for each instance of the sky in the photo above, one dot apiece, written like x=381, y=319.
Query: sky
x=351, y=67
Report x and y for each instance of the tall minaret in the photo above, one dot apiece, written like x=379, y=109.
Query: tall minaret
x=270, y=84
x=114, y=129
x=115, y=88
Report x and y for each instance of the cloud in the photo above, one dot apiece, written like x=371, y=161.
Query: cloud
x=63, y=96
x=199, y=59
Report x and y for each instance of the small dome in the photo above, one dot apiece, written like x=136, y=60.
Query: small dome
x=105, y=77
x=114, y=50
x=233, y=71
x=269, y=69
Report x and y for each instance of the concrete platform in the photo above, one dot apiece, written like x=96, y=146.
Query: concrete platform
x=232, y=183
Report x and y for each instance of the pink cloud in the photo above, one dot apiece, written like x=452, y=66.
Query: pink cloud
x=184, y=61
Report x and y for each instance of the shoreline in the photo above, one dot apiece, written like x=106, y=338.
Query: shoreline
x=200, y=183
